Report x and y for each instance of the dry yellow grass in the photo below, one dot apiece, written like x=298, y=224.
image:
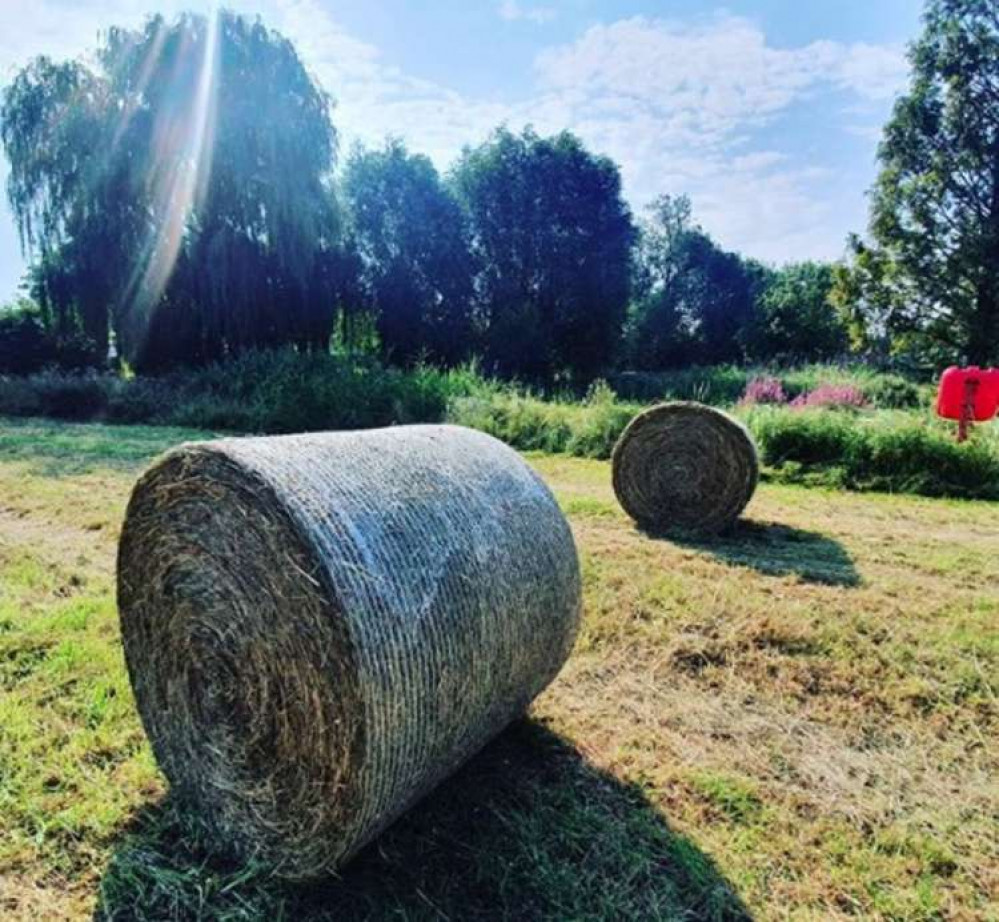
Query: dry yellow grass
x=798, y=721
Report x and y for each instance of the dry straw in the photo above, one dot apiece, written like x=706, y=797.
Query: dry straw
x=320, y=628
x=685, y=466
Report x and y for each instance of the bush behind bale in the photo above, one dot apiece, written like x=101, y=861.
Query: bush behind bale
x=284, y=390
x=893, y=452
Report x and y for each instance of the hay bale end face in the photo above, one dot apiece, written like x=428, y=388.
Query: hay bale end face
x=685, y=466
x=320, y=628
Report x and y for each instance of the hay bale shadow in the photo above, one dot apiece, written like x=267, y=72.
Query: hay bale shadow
x=775, y=549
x=527, y=830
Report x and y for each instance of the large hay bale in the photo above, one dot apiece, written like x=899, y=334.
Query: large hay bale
x=320, y=628
x=685, y=466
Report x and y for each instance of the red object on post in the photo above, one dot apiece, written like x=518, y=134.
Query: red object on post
x=969, y=395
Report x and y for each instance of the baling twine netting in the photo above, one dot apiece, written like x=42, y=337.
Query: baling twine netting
x=320, y=628
x=685, y=466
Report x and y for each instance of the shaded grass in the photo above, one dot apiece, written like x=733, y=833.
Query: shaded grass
x=563, y=840
x=56, y=449
x=743, y=728
x=779, y=550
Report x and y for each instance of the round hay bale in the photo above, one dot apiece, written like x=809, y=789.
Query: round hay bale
x=685, y=466
x=320, y=628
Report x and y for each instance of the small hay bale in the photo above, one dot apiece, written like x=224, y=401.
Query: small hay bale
x=320, y=628
x=685, y=466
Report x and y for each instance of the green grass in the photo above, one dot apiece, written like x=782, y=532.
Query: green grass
x=795, y=721
x=892, y=451
x=880, y=447
x=896, y=451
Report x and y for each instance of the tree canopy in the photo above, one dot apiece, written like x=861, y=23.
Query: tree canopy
x=180, y=194
x=931, y=273
x=412, y=237
x=552, y=236
x=693, y=301
x=795, y=317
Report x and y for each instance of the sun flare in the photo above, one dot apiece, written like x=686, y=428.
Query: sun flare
x=183, y=142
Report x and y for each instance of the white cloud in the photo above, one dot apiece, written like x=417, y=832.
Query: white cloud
x=678, y=106
x=875, y=72
x=511, y=11
x=721, y=74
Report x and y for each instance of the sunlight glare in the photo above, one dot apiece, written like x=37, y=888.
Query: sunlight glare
x=183, y=142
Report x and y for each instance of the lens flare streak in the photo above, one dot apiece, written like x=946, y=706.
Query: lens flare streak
x=183, y=144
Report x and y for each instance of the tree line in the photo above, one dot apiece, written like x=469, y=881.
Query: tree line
x=184, y=198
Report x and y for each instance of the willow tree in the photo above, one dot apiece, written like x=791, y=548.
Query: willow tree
x=50, y=125
x=179, y=189
x=930, y=276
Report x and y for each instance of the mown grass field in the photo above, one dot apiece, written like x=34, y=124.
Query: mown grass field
x=798, y=721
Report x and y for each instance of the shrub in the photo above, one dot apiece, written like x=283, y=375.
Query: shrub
x=813, y=439
x=588, y=429
x=281, y=391
x=846, y=396
x=763, y=390
x=525, y=422
x=600, y=423
x=717, y=385
x=724, y=385
x=914, y=457
x=137, y=400
x=76, y=352
x=893, y=392
x=24, y=345
x=285, y=391
x=18, y=397
x=899, y=452
x=69, y=396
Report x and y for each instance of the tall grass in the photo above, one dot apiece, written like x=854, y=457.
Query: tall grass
x=896, y=452
x=272, y=392
x=853, y=445
x=588, y=428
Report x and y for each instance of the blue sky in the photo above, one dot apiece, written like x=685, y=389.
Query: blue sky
x=766, y=112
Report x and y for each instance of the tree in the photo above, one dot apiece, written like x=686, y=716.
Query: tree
x=795, y=319
x=553, y=238
x=181, y=186
x=658, y=334
x=721, y=297
x=694, y=302
x=412, y=237
x=931, y=273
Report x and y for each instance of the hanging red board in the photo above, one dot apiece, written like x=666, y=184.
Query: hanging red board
x=968, y=393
